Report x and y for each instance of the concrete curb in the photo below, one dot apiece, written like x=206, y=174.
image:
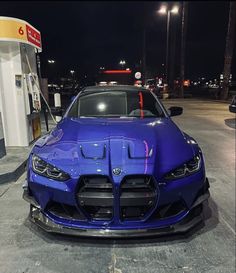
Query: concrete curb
x=13, y=175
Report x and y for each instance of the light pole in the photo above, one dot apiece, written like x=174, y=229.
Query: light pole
x=165, y=11
x=229, y=50
x=144, y=57
x=183, y=44
x=72, y=72
x=51, y=62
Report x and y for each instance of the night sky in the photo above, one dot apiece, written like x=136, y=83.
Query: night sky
x=86, y=35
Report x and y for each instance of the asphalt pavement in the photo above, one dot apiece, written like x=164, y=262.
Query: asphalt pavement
x=210, y=248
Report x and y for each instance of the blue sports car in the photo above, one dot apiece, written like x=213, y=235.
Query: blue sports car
x=116, y=165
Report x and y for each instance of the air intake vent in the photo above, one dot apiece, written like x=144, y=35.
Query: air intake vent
x=138, y=197
x=169, y=210
x=95, y=197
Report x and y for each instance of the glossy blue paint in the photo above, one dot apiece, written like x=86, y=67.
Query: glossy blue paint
x=82, y=146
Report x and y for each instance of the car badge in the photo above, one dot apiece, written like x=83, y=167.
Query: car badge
x=116, y=171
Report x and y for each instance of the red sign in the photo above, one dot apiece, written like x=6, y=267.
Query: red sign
x=33, y=36
x=117, y=72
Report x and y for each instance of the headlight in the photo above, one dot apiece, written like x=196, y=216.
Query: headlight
x=43, y=168
x=188, y=168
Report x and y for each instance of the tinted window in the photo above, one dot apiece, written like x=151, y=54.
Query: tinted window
x=139, y=104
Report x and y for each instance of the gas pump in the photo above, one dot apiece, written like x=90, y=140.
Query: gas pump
x=19, y=84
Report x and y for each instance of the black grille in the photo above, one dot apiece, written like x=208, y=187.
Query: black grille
x=95, y=197
x=64, y=211
x=137, y=197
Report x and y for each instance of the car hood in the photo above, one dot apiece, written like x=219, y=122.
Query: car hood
x=97, y=146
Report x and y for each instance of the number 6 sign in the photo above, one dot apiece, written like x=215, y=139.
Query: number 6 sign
x=21, y=31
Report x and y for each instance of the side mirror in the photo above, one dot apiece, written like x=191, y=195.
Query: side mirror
x=232, y=107
x=175, y=111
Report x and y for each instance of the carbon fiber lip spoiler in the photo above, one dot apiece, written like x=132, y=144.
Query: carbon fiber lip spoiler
x=191, y=220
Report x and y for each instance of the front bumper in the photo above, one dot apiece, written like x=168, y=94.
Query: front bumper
x=193, y=218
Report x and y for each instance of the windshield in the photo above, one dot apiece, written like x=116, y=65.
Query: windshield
x=140, y=104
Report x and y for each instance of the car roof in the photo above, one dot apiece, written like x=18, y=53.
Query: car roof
x=114, y=88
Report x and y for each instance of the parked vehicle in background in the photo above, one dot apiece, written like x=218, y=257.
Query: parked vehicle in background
x=213, y=86
x=103, y=83
x=151, y=84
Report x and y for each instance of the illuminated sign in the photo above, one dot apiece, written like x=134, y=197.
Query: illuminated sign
x=117, y=72
x=16, y=30
x=138, y=75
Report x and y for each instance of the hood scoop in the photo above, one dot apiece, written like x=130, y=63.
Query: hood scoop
x=135, y=149
x=138, y=149
x=91, y=150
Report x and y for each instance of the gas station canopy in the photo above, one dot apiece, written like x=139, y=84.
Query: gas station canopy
x=13, y=29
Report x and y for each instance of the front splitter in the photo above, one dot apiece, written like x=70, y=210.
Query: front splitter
x=190, y=221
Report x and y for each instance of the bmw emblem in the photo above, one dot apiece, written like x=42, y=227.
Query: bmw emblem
x=116, y=171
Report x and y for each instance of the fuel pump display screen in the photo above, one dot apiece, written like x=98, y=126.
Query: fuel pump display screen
x=18, y=81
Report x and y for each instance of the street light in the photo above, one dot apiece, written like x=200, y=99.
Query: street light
x=175, y=10
x=165, y=11
x=122, y=62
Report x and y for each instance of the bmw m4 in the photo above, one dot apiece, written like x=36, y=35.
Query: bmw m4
x=116, y=165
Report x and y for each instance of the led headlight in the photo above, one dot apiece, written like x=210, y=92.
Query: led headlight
x=188, y=168
x=43, y=168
